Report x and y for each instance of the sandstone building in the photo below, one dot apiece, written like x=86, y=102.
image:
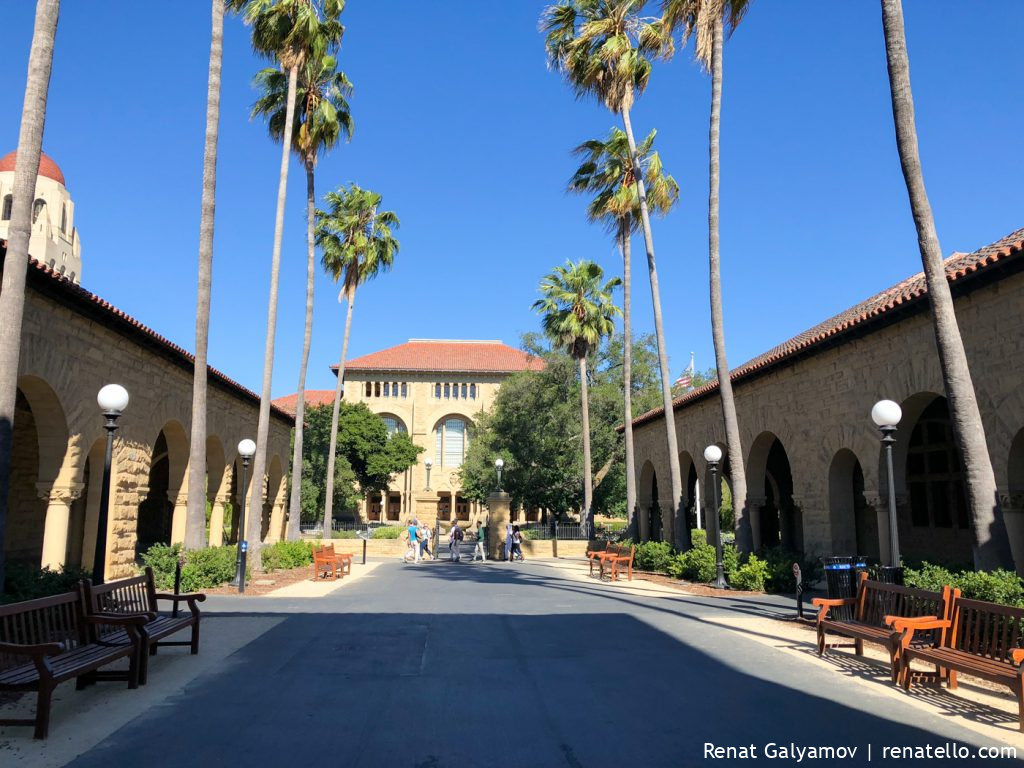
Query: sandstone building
x=815, y=470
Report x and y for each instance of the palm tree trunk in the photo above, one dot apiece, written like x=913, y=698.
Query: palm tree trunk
x=195, y=520
x=681, y=538
x=333, y=450
x=991, y=544
x=737, y=474
x=12, y=293
x=627, y=376
x=254, y=525
x=295, y=501
x=587, y=517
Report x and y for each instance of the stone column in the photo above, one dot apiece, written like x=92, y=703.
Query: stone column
x=754, y=505
x=498, y=504
x=58, y=500
x=217, y=519
x=180, y=501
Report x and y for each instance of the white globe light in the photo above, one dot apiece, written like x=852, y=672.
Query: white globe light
x=712, y=454
x=886, y=413
x=113, y=398
x=246, y=448
x=499, y=463
x=428, y=463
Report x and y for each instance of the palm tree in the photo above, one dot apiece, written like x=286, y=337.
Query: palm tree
x=195, y=519
x=577, y=314
x=603, y=49
x=289, y=32
x=706, y=20
x=322, y=118
x=12, y=292
x=991, y=544
x=607, y=173
x=358, y=244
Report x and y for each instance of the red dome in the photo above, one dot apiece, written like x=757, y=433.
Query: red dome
x=47, y=167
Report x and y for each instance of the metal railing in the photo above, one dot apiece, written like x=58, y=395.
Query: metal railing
x=544, y=531
x=317, y=528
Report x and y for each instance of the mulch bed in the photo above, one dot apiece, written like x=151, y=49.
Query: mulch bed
x=254, y=589
x=689, y=588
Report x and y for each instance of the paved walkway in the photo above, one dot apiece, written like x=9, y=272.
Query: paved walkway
x=504, y=665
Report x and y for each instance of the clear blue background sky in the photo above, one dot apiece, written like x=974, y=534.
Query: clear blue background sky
x=467, y=135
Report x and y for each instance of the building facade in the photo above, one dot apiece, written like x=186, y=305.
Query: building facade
x=432, y=390
x=815, y=471
x=54, y=239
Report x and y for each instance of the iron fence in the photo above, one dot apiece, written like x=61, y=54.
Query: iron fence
x=317, y=528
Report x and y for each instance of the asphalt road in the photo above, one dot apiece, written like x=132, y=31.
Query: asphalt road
x=443, y=665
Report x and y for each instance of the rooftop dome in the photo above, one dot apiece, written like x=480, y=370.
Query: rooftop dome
x=47, y=167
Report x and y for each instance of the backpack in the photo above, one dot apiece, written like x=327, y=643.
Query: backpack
x=457, y=534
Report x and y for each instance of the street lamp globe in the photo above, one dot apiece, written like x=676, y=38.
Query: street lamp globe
x=712, y=454
x=499, y=463
x=113, y=398
x=246, y=448
x=428, y=463
x=886, y=413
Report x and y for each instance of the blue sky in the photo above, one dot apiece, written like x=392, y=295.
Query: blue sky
x=467, y=135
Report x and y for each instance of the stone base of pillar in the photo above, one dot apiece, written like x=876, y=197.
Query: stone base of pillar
x=498, y=509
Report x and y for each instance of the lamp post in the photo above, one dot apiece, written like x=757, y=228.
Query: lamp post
x=246, y=449
x=428, y=464
x=886, y=414
x=112, y=400
x=713, y=455
x=499, y=464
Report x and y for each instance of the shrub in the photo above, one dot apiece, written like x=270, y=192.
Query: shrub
x=780, y=569
x=653, y=556
x=285, y=555
x=997, y=586
x=388, y=532
x=697, y=563
x=344, y=534
x=205, y=568
x=750, y=576
x=163, y=559
x=25, y=582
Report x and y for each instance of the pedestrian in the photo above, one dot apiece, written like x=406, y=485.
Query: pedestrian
x=411, y=532
x=517, y=544
x=454, y=540
x=481, y=539
x=424, y=539
x=508, y=542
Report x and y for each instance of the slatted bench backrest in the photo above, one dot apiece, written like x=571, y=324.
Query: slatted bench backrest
x=876, y=600
x=124, y=596
x=988, y=630
x=56, y=619
x=619, y=551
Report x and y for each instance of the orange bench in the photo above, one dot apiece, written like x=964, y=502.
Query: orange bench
x=330, y=564
x=617, y=559
x=595, y=556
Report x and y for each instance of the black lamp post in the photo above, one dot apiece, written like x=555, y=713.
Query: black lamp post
x=713, y=455
x=246, y=449
x=886, y=414
x=112, y=399
x=499, y=464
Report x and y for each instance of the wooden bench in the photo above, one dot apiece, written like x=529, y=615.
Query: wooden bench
x=616, y=559
x=595, y=555
x=978, y=638
x=138, y=596
x=876, y=608
x=330, y=564
x=47, y=641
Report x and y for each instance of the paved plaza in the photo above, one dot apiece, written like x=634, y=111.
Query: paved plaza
x=495, y=665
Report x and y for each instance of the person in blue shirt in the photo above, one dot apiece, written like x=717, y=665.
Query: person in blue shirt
x=414, y=547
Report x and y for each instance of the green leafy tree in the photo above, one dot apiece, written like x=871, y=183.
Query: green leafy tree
x=322, y=118
x=358, y=244
x=606, y=174
x=604, y=48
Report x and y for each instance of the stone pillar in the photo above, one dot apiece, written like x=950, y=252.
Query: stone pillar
x=217, y=519
x=180, y=501
x=58, y=500
x=498, y=508
x=754, y=505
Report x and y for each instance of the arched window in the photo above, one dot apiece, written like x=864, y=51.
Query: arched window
x=437, y=391
x=37, y=208
x=455, y=391
x=451, y=442
x=376, y=389
x=447, y=391
x=465, y=391
x=72, y=277
x=8, y=204
x=387, y=389
x=64, y=218
x=934, y=475
x=393, y=424
x=405, y=390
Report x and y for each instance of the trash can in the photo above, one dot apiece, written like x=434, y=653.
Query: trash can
x=841, y=582
x=888, y=574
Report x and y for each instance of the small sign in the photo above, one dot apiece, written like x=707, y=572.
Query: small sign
x=245, y=546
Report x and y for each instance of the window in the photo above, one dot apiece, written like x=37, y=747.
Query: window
x=437, y=391
x=393, y=424
x=934, y=477
x=37, y=208
x=369, y=389
x=455, y=391
x=376, y=389
x=451, y=442
x=447, y=391
x=8, y=204
x=465, y=391
x=472, y=391
x=387, y=389
x=64, y=218
x=405, y=390
x=72, y=277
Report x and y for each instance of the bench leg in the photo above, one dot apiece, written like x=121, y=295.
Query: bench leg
x=905, y=672
x=194, y=648
x=858, y=647
x=894, y=662
x=821, y=641
x=43, y=699
x=952, y=680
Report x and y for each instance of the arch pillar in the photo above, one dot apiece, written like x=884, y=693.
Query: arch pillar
x=277, y=516
x=180, y=515
x=217, y=518
x=58, y=498
x=754, y=504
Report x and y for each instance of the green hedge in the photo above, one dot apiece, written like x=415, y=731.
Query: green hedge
x=203, y=568
x=388, y=532
x=997, y=586
x=24, y=582
x=700, y=564
x=285, y=555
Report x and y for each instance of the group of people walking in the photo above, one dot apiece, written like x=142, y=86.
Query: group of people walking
x=418, y=536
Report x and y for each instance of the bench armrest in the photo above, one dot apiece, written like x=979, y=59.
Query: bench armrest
x=121, y=619
x=824, y=603
x=40, y=649
x=1018, y=655
x=185, y=596
x=897, y=622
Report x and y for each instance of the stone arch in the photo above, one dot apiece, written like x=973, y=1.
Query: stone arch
x=217, y=490
x=394, y=422
x=854, y=523
x=779, y=520
x=650, y=508
x=51, y=426
x=688, y=471
x=272, y=517
x=162, y=508
x=81, y=548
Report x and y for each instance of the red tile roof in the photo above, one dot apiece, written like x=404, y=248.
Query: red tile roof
x=53, y=284
x=47, y=167
x=447, y=357
x=313, y=398
x=910, y=292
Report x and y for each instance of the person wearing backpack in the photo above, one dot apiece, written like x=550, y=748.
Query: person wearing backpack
x=481, y=542
x=454, y=539
x=517, y=544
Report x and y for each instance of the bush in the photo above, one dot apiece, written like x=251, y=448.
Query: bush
x=25, y=582
x=997, y=586
x=780, y=569
x=163, y=559
x=751, y=576
x=653, y=556
x=344, y=534
x=205, y=568
x=388, y=532
x=285, y=555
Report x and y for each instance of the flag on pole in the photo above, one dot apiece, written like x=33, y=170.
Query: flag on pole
x=686, y=379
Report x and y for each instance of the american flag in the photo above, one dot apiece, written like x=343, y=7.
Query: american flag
x=686, y=379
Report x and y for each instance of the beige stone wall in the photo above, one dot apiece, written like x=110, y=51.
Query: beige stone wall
x=821, y=405
x=65, y=359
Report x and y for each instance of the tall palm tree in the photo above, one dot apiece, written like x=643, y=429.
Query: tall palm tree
x=12, y=292
x=577, y=314
x=706, y=20
x=358, y=244
x=195, y=519
x=289, y=32
x=322, y=118
x=991, y=544
x=607, y=173
x=603, y=48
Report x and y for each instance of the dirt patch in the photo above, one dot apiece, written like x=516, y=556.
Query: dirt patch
x=253, y=587
x=689, y=588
